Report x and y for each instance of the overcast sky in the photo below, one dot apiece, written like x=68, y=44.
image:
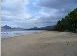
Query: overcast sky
x=31, y=13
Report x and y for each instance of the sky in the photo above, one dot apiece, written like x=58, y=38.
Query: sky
x=34, y=13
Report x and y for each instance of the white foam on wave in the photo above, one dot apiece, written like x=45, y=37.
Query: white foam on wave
x=7, y=34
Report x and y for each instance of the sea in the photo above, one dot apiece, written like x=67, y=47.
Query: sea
x=9, y=34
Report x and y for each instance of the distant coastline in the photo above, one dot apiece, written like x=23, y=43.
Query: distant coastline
x=8, y=28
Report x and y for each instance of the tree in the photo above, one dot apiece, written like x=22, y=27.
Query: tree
x=69, y=22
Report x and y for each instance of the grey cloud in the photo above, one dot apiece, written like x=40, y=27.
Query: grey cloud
x=47, y=20
x=63, y=7
x=58, y=3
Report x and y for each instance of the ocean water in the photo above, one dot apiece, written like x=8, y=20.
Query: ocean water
x=8, y=34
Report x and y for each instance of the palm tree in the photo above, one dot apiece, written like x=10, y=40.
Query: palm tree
x=69, y=22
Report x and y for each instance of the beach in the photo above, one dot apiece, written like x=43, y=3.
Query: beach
x=45, y=43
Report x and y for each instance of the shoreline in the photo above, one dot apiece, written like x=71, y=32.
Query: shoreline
x=21, y=35
x=45, y=43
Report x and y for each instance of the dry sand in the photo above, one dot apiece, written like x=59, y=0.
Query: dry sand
x=46, y=43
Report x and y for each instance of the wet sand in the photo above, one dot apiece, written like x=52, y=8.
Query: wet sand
x=46, y=43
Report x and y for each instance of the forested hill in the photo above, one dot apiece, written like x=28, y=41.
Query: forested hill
x=68, y=23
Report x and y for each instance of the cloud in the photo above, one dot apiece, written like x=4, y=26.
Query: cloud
x=15, y=9
x=34, y=12
x=58, y=3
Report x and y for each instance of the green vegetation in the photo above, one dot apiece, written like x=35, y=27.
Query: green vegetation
x=68, y=23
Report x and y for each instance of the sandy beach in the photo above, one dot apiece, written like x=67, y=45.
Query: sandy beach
x=46, y=43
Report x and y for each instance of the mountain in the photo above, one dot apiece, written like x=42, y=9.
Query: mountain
x=43, y=28
x=5, y=27
x=8, y=28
